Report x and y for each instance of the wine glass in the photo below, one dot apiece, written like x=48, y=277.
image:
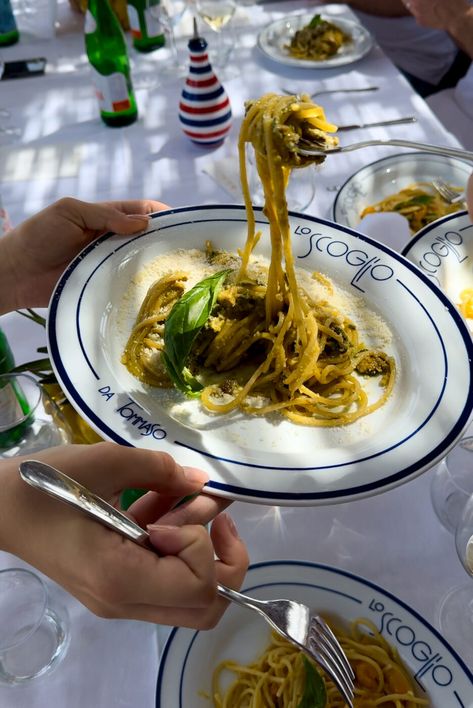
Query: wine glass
x=452, y=483
x=455, y=614
x=217, y=14
x=169, y=13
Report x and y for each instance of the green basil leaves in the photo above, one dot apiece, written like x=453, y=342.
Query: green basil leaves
x=315, y=694
x=315, y=21
x=183, y=324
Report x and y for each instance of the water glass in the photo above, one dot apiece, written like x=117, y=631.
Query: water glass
x=34, y=635
x=452, y=484
x=29, y=419
x=300, y=189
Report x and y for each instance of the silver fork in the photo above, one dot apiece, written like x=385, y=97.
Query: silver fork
x=293, y=620
x=309, y=150
x=340, y=90
x=447, y=193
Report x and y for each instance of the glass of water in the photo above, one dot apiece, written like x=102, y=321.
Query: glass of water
x=29, y=419
x=35, y=630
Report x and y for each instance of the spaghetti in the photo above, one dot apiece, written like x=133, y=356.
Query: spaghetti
x=267, y=345
x=282, y=677
x=318, y=40
x=419, y=203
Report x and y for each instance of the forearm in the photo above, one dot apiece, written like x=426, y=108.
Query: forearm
x=387, y=8
x=9, y=275
x=461, y=30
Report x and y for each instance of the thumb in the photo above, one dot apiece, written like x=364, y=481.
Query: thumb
x=105, y=217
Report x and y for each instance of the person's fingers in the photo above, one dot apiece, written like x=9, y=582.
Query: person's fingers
x=138, y=206
x=107, y=469
x=199, y=510
x=149, y=508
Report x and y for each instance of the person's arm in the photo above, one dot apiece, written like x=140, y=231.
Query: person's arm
x=452, y=16
x=113, y=577
x=382, y=8
x=34, y=254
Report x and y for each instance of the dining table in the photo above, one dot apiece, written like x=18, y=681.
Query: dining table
x=62, y=148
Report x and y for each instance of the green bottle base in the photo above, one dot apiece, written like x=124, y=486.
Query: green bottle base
x=145, y=46
x=9, y=38
x=117, y=120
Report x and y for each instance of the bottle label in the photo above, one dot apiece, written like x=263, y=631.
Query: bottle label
x=11, y=412
x=112, y=92
x=90, y=25
x=7, y=19
x=152, y=27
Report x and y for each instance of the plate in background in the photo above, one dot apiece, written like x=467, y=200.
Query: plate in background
x=272, y=41
x=190, y=656
x=389, y=175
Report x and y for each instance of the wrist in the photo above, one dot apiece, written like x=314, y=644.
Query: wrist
x=8, y=494
x=10, y=274
x=460, y=28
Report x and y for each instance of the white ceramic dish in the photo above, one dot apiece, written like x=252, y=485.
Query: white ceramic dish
x=443, y=251
x=189, y=656
x=389, y=175
x=268, y=459
x=273, y=39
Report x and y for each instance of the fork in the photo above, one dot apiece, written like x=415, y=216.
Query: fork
x=341, y=90
x=293, y=620
x=447, y=193
x=308, y=150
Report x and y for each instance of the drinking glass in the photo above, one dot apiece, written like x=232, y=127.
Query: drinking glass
x=34, y=632
x=217, y=14
x=455, y=614
x=29, y=419
x=452, y=484
x=300, y=189
x=168, y=13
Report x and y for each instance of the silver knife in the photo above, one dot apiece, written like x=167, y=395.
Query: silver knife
x=395, y=121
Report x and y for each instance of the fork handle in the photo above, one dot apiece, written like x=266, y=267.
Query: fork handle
x=242, y=600
x=424, y=147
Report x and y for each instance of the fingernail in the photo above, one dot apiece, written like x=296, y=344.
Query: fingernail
x=231, y=526
x=139, y=217
x=195, y=476
x=161, y=527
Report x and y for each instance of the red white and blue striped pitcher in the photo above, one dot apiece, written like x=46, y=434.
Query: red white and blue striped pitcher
x=204, y=109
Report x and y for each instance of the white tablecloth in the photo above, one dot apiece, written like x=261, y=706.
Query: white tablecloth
x=393, y=539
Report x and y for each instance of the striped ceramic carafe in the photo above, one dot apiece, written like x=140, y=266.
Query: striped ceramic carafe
x=204, y=109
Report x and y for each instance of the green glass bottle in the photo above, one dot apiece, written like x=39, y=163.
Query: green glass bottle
x=13, y=402
x=107, y=53
x=145, y=27
x=8, y=30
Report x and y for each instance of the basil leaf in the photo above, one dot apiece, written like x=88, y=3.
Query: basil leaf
x=315, y=694
x=315, y=21
x=183, y=324
x=414, y=201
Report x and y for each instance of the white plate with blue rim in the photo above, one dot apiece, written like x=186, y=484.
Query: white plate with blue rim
x=189, y=657
x=274, y=38
x=443, y=250
x=268, y=459
x=389, y=175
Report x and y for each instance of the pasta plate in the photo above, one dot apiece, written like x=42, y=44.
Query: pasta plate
x=267, y=459
x=273, y=39
x=190, y=656
x=387, y=176
x=443, y=251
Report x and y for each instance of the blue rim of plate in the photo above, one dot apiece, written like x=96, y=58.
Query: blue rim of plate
x=246, y=492
x=430, y=227
x=395, y=157
x=320, y=566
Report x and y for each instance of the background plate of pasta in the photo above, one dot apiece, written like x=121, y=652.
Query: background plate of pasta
x=398, y=658
x=360, y=298
x=289, y=41
x=400, y=184
x=444, y=252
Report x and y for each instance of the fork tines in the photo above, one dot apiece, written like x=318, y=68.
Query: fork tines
x=330, y=656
